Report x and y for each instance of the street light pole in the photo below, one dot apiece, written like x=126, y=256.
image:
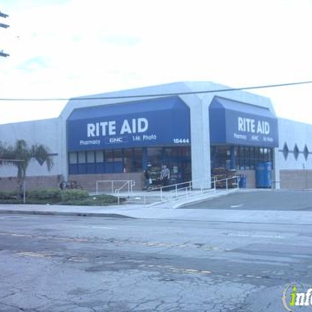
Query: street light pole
x=4, y=26
x=3, y=15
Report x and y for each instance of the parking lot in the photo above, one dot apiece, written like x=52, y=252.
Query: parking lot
x=260, y=200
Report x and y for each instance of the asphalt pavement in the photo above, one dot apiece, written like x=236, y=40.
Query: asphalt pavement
x=236, y=251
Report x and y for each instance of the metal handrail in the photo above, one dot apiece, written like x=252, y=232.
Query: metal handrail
x=192, y=188
x=129, y=183
x=169, y=192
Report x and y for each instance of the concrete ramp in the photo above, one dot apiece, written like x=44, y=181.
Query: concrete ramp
x=175, y=199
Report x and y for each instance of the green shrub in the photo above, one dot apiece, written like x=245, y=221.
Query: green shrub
x=73, y=195
x=98, y=200
x=45, y=194
x=8, y=195
x=107, y=199
x=57, y=196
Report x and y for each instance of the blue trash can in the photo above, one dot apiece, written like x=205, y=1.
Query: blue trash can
x=242, y=181
x=264, y=175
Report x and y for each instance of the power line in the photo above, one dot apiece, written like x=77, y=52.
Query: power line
x=83, y=98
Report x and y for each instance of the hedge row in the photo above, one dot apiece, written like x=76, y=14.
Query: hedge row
x=57, y=196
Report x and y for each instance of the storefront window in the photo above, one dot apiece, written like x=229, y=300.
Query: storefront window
x=220, y=156
x=99, y=156
x=177, y=159
x=128, y=154
x=82, y=157
x=244, y=158
x=131, y=160
x=73, y=158
x=137, y=160
x=90, y=157
x=109, y=156
x=154, y=155
x=118, y=155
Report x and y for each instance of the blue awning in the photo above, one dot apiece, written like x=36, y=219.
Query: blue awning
x=126, y=108
x=156, y=122
x=238, y=123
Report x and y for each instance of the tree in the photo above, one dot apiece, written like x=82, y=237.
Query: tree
x=20, y=156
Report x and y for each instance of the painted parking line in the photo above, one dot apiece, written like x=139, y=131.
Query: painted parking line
x=256, y=235
x=33, y=254
x=175, y=269
x=101, y=227
x=17, y=217
x=236, y=206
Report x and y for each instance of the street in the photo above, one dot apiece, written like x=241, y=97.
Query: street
x=65, y=263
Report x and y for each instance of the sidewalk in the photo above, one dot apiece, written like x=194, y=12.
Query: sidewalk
x=140, y=205
x=166, y=211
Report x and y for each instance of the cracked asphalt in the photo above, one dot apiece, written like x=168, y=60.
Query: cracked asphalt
x=69, y=264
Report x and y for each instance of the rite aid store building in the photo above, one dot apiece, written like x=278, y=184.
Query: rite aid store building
x=189, y=126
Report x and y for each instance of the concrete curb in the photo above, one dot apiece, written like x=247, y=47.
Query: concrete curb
x=65, y=213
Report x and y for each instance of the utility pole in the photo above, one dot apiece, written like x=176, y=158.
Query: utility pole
x=4, y=26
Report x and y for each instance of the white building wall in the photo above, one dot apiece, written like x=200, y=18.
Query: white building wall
x=294, y=134
x=45, y=132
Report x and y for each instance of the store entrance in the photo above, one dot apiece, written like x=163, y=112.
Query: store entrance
x=177, y=159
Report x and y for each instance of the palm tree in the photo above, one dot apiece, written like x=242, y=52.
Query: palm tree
x=20, y=156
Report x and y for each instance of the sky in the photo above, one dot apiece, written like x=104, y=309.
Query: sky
x=66, y=48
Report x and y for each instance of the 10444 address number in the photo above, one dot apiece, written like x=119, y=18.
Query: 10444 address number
x=181, y=141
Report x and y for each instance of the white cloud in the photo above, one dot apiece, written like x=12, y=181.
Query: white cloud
x=63, y=48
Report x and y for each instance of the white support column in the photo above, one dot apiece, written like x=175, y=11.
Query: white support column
x=276, y=170
x=63, y=148
x=200, y=140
